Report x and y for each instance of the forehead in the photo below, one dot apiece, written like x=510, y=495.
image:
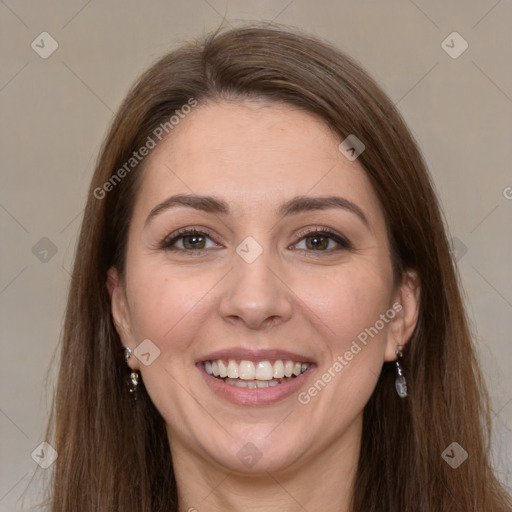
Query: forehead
x=252, y=153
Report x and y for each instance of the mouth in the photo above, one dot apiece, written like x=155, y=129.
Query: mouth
x=255, y=378
x=250, y=374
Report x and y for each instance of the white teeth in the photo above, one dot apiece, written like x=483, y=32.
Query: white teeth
x=297, y=369
x=253, y=384
x=222, y=369
x=232, y=369
x=247, y=370
x=260, y=371
x=264, y=371
x=278, y=370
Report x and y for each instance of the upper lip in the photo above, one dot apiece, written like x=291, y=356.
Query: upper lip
x=255, y=355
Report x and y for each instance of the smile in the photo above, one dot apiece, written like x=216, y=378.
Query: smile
x=255, y=374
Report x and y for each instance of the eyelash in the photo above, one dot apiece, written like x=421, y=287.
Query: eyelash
x=168, y=242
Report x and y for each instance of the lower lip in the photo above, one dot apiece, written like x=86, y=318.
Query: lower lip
x=255, y=396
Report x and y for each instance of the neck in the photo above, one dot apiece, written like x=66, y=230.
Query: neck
x=322, y=482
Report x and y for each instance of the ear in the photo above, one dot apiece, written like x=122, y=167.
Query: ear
x=121, y=312
x=406, y=305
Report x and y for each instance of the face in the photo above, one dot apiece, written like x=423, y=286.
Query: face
x=285, y=258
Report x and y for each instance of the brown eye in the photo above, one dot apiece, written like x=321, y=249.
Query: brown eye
x=193, y=241
x=317, y=242
x=323, y=241
x=187, y=240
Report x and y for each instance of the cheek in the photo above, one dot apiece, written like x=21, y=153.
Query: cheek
x=348, y=302
x=353, y=319
x=169, y=308
x=165, y=304
x=169, y=305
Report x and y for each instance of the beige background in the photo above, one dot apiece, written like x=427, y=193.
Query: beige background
x=55, y=112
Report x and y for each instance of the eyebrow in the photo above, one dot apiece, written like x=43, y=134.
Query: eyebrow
x=294, y=206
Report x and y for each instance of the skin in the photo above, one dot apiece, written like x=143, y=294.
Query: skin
x=314, y=301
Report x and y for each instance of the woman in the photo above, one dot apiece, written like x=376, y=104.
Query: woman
x=264, y=313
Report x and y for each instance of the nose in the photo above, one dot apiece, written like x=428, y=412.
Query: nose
x=255, y=294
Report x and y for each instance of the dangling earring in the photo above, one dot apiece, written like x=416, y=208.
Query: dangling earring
x=133, y=381
x=400, y=383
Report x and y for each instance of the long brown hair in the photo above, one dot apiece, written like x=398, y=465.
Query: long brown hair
x=113, y=453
